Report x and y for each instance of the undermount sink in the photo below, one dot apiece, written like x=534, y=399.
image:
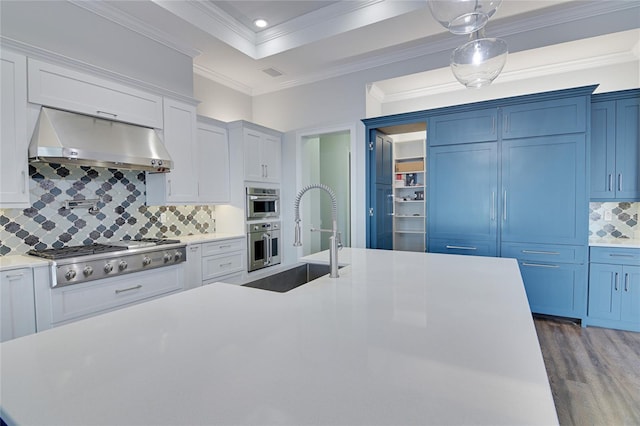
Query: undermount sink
x=291, y=278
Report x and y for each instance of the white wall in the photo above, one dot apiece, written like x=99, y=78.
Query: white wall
x=220, y=102
x=69, y=30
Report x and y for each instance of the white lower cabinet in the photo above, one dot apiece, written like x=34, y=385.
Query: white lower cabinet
x=73, y=302
x=214, y=261
x=17, y=300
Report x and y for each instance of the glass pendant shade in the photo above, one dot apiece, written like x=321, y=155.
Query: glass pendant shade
x=463, y=16
x=478, y=62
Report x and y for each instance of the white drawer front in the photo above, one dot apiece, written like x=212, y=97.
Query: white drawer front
x=71, y=90
x=223, y=246
x=216, y=266
x=84, y=300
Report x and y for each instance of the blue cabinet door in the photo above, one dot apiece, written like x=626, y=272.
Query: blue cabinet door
x=604, y=291
x=463, y=127
x=555, y=288
x=630, y=300
x=553, y=117
x=544, y=190
x=627, y=183
x=603, y=150
x=463, y=193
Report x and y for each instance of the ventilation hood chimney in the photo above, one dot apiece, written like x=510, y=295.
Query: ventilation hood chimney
x=68, y=138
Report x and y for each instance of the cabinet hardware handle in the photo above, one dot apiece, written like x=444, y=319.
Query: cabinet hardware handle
x=169, y=186
x=493, y=206
x=493, y=125
x=194, y=248
x=129, y=289
x=615, y=285
x=461, y=248
x=13, y=277
x=107, y=113
x=225, y=246
x=610, y=182
x=626, y=282
x=266, y=170
x=24, y=182
x=539, y=265
x=504, y=206
x=506, y=124
x=225, y=264
x=555, y=253
x=620, y=255
x=619, y=181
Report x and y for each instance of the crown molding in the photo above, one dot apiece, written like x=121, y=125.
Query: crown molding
x=222, y=79
x=35, y=52
x=511, y=76
x=107, y=11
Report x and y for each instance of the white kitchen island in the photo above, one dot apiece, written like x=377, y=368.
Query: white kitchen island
x=399, y=339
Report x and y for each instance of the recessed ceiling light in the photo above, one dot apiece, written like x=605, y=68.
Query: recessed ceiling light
x=260, y=23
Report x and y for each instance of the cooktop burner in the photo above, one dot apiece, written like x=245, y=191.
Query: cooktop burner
x=74, y=251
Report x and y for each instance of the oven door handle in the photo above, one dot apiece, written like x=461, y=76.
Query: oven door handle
x=263, y=198
x=266, y=238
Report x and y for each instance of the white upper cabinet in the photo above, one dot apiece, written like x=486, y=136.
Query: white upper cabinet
x=14, y=176
x=180, y=185
x=213, y=162
x=71, y=90
x=262, y=154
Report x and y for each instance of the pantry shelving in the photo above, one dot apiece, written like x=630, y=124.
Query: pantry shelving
x=409, y=213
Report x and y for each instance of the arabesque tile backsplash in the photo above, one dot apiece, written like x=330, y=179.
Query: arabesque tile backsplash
x=613, y=220
x=122, y=213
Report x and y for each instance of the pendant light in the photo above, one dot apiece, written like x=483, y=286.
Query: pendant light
x=463, y=16
x=479, y=61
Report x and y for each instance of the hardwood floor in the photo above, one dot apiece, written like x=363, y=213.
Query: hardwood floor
x=594, y=372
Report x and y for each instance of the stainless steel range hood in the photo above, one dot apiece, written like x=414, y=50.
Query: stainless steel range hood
x=69, y=138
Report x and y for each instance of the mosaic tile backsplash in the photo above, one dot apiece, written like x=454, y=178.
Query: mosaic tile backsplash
x=614, y=220
x=121, y=211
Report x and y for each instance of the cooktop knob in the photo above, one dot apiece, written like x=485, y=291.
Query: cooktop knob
x=122, y=265
x=167, y=257
x=71, y=274
x=88, y=270
x=146, y=261
x=108, y=268
x=177, y=256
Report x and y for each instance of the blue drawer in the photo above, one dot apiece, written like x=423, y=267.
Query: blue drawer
x=614, y=255
x=549, y=253
x=462, y=246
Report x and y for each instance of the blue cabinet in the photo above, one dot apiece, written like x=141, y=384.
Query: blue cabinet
x=544, y=198
x=548, y=117
x=463, y=127
x=463, y=190
x=615, y=147
x=555, y=288
x=614, y=288
x=520, y=192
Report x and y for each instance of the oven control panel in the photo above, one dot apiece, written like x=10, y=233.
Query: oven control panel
x=88, y=268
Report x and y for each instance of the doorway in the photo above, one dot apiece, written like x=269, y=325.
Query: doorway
x=326, y=159
x=383, y=232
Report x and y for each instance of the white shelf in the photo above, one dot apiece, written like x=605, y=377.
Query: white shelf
x=409, y=222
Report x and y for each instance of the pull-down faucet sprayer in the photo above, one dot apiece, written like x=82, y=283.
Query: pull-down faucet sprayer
x=334, y=241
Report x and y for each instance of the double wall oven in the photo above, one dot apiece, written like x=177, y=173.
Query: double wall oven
x=263, y=227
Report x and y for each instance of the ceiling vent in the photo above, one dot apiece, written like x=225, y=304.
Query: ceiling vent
x=272, y=72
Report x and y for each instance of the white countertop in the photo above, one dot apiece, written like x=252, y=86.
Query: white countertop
x=400, y=338
x=205, y=238
x=615, y=242
x=21, y=261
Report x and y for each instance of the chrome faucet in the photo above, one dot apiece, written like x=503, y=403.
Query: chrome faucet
x=334, y=240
